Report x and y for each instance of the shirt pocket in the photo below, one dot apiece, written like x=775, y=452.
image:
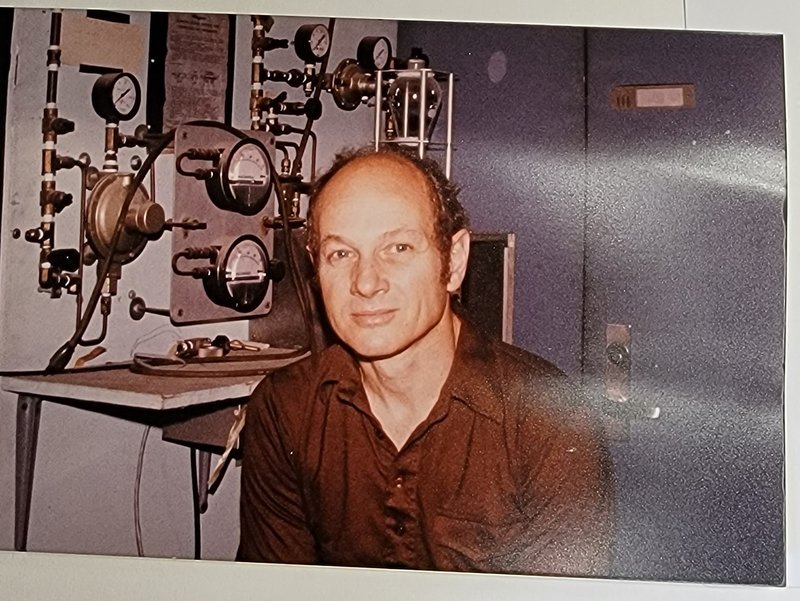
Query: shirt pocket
x=467, y=544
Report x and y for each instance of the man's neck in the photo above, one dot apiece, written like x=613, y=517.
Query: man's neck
x=403, y=389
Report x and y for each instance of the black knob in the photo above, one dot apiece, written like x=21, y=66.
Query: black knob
x=60, y=200
x=65, y=259
x=313, y=109
x=277, y=270
x=268, y=44
x=62, y=126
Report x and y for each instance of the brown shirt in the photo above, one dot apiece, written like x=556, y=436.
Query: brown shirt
x=507, y=474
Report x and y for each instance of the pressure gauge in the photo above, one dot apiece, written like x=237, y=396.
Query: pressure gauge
x=374, y=53
x=116, y=96
x=242, y=182
x=312, y=43
x=240, y=276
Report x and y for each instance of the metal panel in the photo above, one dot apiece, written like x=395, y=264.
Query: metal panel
x=685, y=242
x=519, y=138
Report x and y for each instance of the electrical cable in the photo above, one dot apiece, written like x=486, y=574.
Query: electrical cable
x=137, y=522
x=316, y=94
x=64, y=353
x=60, y=359
x=302, y=292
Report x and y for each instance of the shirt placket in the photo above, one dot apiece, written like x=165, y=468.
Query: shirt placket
x=401, y=510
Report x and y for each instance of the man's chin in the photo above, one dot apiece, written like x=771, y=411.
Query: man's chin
x=368, y=354
x=373, y=350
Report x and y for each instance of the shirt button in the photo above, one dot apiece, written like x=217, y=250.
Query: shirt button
x=399, y=481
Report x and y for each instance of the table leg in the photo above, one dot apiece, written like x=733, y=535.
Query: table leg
x=28, y=411
x=203, y=471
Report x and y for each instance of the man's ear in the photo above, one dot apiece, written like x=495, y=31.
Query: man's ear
x=459, y=254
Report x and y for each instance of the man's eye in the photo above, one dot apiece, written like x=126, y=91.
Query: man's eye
x=339, y=255
x=400, y=247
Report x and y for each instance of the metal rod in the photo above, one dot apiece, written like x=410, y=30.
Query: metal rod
x=81, y=242
x=110, y=161
x=49, y=138
x=423, y=111
x=256, y=90
x=378, y=106
x=448, y=152
x=28, y=416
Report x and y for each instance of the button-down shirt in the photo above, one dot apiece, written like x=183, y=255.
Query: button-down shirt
x=506, y=474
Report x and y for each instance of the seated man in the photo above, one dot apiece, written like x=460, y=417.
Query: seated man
x=416, y=442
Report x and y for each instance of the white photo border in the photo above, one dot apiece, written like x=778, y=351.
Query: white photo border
x=44, y=576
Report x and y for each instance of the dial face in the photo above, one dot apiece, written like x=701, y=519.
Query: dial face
x=374, y=53
x=246, y=177
x=246, y=273
x=320, y=41
x=312, y=42
x=124, y=95
x=381, y=53
x=116, y=96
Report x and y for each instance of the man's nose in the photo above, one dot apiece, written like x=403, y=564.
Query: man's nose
x=368, y=278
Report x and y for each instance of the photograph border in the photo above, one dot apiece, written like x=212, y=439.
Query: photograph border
x=39, y=576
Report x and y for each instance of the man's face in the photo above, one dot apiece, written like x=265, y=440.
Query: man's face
x=379, y=269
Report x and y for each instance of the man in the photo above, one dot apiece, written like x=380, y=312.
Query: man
x=416, y=442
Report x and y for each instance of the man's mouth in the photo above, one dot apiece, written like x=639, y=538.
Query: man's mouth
x=373, y=317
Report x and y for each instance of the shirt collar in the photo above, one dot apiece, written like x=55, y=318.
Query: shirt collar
x=473, y=378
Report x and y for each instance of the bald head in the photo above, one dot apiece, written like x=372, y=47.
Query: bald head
x=391, y=165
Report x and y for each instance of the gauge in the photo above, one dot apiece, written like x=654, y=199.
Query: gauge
x=374, y=53
x=242, y=182
x=312, y=42
x=116, y=96
x=240, y=277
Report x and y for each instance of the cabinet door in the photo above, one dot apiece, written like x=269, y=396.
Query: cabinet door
x=685, y=244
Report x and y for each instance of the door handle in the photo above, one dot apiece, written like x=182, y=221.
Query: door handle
x=618, y=364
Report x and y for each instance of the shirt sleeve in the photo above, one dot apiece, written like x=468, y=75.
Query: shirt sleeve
x=274, y=526
x=567, y=493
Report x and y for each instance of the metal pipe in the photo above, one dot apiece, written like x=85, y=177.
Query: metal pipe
x=84, y=165
x=256, y=89
x=317, y=91
x=448, y=152
x=378, y=106
x=110, y=162
x=423, y=110
x=49, y=138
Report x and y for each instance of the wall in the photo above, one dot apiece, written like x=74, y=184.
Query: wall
x=84, y=480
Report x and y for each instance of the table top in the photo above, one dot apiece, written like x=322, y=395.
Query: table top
x=118, y=385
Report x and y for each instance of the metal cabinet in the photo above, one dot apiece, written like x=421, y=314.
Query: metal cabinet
x=665, y=219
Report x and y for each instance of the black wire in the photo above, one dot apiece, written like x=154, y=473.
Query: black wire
x=196, y=505
x=137, y=522
x=302, y=292
x=61, y=357
x=317, y=92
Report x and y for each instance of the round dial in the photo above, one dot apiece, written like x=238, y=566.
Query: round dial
x=243, y=182
x=240, y=277
x=312, y=43
x=374, y=53
x=116, y=96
